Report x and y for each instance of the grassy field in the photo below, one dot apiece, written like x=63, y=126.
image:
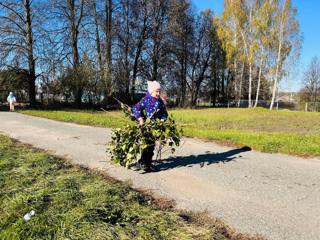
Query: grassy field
x=283, y=131
x=73, y=203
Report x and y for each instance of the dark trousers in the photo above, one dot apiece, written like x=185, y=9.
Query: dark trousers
x=147, y=154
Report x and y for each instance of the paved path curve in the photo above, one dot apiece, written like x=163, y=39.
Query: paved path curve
x=273, y=194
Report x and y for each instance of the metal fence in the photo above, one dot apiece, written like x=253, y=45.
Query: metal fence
x=312, y=107
x=263, y=104
x=294, y=106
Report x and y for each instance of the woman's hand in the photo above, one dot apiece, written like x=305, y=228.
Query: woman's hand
x=141, y=121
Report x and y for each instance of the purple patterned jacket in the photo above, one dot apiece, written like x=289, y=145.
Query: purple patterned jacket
x=154, y=108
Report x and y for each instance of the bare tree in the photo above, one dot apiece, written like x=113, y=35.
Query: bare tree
x=134, y=43
x=158, y=37
x=201, y=55
x=123, y=40
x=108, y=30
x=16, y=39
x=97, y=34
x=181, y=33
x=141, y=37
x=71, y=15
x=312, y=80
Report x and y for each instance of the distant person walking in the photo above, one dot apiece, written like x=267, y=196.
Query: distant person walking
x=11, y=99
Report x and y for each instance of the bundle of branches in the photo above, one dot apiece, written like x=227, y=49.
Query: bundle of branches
x=129, y=142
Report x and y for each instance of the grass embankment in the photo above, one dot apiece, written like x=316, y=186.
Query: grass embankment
x=295, y=133
x=268, y=131
x=74, y=203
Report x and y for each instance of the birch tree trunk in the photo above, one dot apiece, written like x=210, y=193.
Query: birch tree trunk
x=259, y=81
x=250, y=85
x=249, y=58
x=275, y=83
x=240, y=84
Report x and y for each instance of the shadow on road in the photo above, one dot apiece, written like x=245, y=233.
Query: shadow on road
x=203, y=159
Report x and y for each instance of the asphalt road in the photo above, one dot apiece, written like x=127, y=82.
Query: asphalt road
x=273, y=194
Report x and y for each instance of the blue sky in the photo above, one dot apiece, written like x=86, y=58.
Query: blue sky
x=308, y=14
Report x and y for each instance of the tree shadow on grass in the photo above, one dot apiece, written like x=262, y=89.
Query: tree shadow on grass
x=202, y=159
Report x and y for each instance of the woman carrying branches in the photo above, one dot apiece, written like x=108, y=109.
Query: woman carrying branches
x=152, y=107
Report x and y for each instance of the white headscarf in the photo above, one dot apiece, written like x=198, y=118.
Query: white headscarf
x=153, y=86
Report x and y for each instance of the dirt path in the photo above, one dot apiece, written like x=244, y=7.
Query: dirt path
x=273, y=194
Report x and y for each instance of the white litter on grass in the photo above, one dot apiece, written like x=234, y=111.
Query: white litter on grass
x=28, y=215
